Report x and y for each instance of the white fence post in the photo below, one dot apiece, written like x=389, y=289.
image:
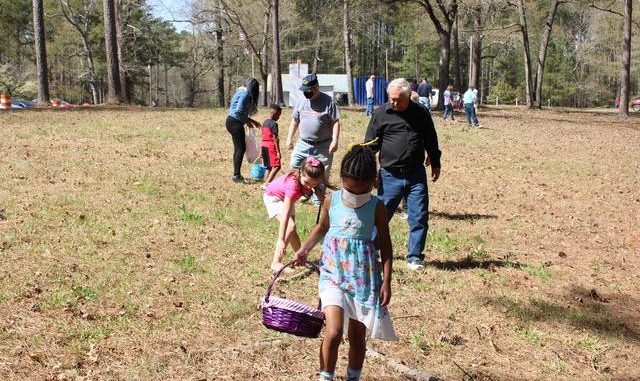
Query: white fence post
x=516, y=102
x=496, y=101
x=549, y=102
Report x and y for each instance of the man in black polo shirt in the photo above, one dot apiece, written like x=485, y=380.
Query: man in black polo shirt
x=405, y=132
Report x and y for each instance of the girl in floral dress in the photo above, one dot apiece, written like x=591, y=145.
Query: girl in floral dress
x=354, y=287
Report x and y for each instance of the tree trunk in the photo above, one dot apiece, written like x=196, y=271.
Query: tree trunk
x=41, y=52
x=219, y=73
x=623, y=109
x=125, y=94
x=542, y=52
x=166, y=86
x=150, y=84
x=443, y=64
x=526, y=53
x=444, y=28
x=264, y=72
x=456, y=55
x=276, y=78
x=190, y=97
x=84, y=29
x=90, y=68
x=347, y=49
x=265, y=79
x=377, y=50
x=111, y=46
x=476, y=49
x=316, y=50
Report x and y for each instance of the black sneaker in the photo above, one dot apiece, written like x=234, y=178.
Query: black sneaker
x=238, y=179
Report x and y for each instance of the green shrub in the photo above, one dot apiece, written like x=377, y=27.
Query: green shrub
x=504, y=92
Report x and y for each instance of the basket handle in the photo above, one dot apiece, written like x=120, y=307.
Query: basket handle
x=256, y=159
x=309, y=265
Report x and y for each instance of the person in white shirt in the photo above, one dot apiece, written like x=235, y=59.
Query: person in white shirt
x=448, y=103
x=475, y=104
x=369, y=87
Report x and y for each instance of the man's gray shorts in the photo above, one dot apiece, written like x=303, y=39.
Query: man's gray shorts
x=306, y=148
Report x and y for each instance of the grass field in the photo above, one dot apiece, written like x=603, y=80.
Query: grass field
x=126, y=253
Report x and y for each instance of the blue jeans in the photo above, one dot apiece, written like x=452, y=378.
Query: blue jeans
x=393, y=188
x=470, y=111
x=426, y=102
x=369, y=107
x=320, y=151
x=448, y=110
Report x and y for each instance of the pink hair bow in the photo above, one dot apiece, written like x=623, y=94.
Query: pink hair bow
x=313, y=161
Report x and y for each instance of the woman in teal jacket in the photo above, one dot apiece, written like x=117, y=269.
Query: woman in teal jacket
x=243, y=104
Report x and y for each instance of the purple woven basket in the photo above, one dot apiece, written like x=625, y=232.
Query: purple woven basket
x=288, y=316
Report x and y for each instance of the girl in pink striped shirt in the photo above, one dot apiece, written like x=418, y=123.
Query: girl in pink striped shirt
x=280, y=197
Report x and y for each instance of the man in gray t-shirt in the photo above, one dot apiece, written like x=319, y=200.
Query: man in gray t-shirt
x=318, y=118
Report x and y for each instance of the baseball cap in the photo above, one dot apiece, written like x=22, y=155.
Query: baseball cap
x=308, y=82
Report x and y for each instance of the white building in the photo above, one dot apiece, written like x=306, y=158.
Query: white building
x=330, y=84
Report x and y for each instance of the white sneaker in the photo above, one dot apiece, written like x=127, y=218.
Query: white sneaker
x=415, y=265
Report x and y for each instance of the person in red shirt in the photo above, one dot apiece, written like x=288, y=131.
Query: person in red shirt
x=271, y=144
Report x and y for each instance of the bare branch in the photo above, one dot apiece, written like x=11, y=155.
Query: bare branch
x=608, y=10
x=493, y=29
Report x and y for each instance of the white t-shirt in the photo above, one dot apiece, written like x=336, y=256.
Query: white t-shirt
x=369, y=86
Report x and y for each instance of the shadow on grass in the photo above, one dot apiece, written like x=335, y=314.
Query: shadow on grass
x=469, y=263
x=463, y=216
x=612, y=315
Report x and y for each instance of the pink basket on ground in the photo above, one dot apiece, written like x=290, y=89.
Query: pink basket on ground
x=289, y=316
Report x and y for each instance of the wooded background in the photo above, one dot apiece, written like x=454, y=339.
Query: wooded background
x=569, y=53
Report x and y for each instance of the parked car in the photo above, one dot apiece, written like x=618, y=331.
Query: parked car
x=435, y=93
x=634, y=103
x=57, y=102
x=21, y=103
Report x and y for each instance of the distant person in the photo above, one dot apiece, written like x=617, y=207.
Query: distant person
x=448, y=104
x=243, y=104
x=414, y=85
x=405, y=132
x=280, y=197
x=318, y=118
x=354, y=287
x=370, y=94
x=271, y=144
x=424, y=91
x=469, y=99
x=475, y=103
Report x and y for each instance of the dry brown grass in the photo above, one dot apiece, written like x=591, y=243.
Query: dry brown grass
x=127, y=254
